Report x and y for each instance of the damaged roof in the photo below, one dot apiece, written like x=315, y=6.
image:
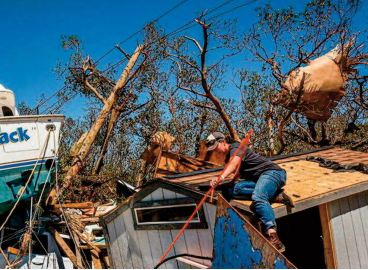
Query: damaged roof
x=313, y=177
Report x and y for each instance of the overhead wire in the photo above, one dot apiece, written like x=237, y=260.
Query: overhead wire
x=182, y=28
x=191, y=23
x=42, y=102
x=233, y=9
x=111, y=50
x=142, y=29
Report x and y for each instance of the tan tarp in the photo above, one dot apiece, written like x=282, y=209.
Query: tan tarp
x=323, y=86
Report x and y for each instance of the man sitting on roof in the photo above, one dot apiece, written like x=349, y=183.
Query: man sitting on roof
x=264, y=180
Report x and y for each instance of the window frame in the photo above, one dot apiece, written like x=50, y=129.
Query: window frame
x=199, y=223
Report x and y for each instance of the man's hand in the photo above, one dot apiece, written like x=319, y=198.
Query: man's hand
x=215, y=181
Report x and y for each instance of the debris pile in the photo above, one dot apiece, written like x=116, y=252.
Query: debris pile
x=79, y=235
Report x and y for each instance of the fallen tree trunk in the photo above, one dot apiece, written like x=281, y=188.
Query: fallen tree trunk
x=83, y=152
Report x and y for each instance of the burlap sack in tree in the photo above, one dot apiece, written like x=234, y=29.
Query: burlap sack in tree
x=323, y=86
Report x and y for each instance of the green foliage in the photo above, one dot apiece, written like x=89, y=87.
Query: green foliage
x=162, y=93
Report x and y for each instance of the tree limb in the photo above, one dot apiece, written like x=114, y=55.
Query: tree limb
x=195, y=42
x=201, y=105
x=94, y=90
x=286, y=118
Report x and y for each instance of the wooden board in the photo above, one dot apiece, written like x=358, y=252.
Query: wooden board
x=60, y=241
x=174, y=163
x=310, y=185
x=340, y=155
x=327, y=235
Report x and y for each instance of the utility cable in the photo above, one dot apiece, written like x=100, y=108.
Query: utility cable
x=182, y=28
x=41, y=155
x=191, y=23
x=141, y=29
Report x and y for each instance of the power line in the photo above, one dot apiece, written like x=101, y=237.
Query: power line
x=58, y=104
x=141, y=29
x=233, y=9
x=42, y=102
x=113, y=48
x=182, y=28
x=154, y=21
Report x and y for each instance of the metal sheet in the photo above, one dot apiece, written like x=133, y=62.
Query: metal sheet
x=238, y=244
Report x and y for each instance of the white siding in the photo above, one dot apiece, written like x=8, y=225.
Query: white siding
x=143, y=248
x=349, y=228
x=158, y=194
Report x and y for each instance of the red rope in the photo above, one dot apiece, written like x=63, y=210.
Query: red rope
x=242, y=149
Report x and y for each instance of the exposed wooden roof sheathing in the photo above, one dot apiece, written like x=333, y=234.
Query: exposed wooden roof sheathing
x=311, y=185
x=307, y=182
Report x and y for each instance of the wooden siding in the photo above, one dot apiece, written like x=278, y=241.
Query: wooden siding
x=131, y=248
x=349, y=227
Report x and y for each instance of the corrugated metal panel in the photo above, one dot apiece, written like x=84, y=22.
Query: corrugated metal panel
x=349, y=225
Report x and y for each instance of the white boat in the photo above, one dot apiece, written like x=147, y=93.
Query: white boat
x=28, y=151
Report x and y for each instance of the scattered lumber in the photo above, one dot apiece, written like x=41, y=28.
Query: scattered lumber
x=64, y=246
x=82, y=205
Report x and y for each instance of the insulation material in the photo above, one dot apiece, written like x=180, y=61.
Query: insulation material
x=323, y=87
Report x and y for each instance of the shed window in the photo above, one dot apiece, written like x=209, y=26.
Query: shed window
x=7, y=111
x=167, y=214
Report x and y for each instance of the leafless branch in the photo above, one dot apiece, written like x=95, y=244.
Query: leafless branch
x=94, y=90
x=201, y=105
x=195, y=42
x=305, y=131
x=286, y=118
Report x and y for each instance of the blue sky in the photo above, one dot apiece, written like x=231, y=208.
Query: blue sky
x=31, y=31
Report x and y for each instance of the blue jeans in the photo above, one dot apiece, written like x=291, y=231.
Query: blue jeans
x=266, y=188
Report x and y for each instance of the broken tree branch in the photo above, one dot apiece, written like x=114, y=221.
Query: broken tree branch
x=287, y=117
x=105, y=111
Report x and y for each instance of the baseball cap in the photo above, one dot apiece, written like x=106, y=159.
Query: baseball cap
x=213, y=140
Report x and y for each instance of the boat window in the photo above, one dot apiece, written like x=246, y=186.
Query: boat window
x=164, y=215
x=7, y=111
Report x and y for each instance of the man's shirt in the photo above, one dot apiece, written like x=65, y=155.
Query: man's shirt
x=253, y=164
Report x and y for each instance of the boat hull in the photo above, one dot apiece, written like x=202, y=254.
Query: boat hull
x=28, y=150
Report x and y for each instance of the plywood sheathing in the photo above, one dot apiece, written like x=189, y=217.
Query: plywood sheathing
x=340, y=155
x=311, y=185
x=308, y=183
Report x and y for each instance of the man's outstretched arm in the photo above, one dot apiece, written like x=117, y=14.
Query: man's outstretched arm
x=231, y=167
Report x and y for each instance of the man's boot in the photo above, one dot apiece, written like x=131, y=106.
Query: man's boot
x=283, y=198
x=275, y=241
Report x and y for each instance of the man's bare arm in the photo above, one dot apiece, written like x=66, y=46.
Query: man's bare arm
x=233, y=164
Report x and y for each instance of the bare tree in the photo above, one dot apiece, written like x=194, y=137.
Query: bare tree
x=284, y=40
x=199, y=79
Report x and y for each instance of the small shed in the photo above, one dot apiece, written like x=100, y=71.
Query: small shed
x=140, y=229
x=330, y=220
